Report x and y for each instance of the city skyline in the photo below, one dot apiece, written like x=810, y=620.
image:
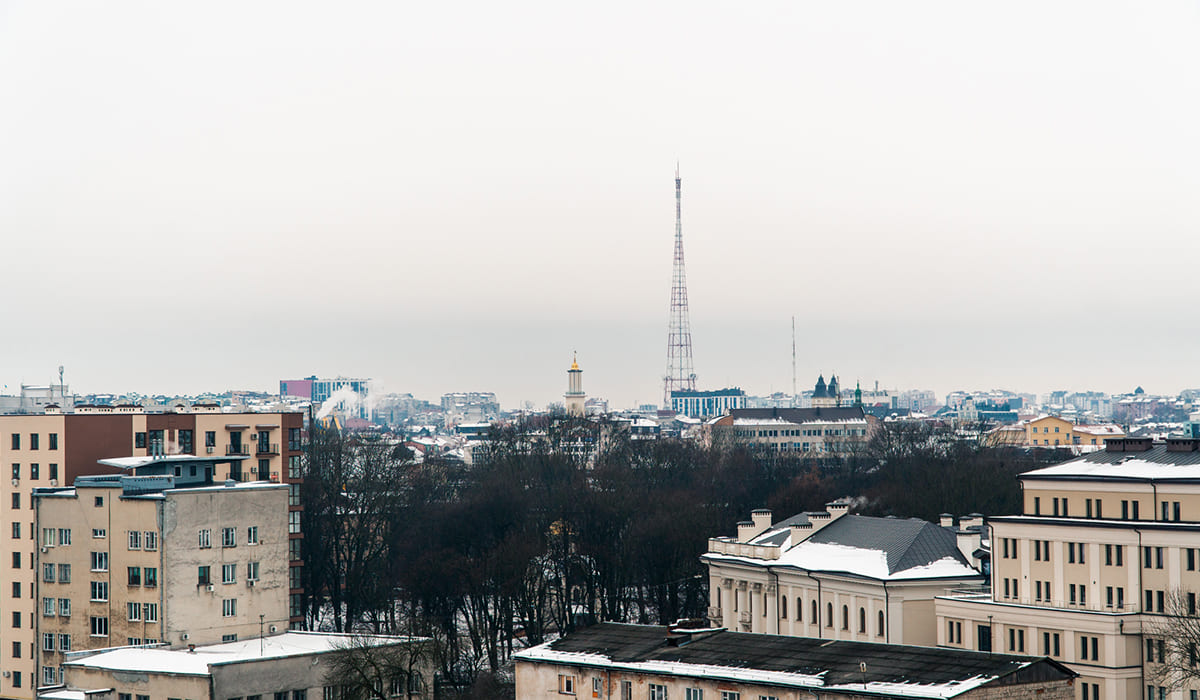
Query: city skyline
x=458, y=198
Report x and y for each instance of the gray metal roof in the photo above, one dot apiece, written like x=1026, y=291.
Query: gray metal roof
x=907, y=542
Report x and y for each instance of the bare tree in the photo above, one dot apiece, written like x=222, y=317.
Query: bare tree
x=368, y=667
x=1173, y=641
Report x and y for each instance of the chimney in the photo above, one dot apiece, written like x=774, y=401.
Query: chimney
x=969, y=537
x=761, y=518
x=745, y=531
x=946, y=520
x=837, y=509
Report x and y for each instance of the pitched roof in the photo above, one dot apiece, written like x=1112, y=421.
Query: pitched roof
x=794, y=415
x=1155, y=464
x=892, y=670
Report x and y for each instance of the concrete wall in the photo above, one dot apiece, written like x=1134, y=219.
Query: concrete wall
x=190, y=608
x=156, y=685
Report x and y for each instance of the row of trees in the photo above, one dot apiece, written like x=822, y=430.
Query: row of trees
x=538, y=538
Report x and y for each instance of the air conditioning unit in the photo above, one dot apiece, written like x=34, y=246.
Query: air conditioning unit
x=250, y=582
x=209, y=449
x=209, y=588
x=44, y=550
x=274, y=629
x=16, y=482
x=54, y=482
x=6, y=674
x=184, y=636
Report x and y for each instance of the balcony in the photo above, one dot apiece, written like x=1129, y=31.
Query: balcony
x=714, y=613
x=237, y=450
x=744, y=617
x=266, y=448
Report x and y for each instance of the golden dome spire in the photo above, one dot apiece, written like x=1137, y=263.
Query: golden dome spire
x=574, y=360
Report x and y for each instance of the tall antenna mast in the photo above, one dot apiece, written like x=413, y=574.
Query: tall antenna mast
x=680, y=374
x=793, y=361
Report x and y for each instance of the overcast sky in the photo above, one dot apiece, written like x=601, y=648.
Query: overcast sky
x=453, y=196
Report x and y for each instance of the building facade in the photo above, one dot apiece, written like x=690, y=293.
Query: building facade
x=837, y=576
x=157, y=553
x=52, y=449
x=821, y=431
x=707, y=404
x=1085, y=574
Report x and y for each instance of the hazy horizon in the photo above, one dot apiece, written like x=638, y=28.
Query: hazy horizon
x=455, y=197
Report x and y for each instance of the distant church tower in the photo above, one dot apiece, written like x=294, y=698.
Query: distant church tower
x=575, y=396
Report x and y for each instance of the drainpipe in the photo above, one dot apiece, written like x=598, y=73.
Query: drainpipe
x=887, y=615
x=775, y=576
x=1142, y=628
x=818, y=620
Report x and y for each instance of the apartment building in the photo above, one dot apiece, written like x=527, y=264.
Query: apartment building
x=158, y=552
x=822, y=430
x=285, y=666
x=837, y=576
x=54, y=448
x=1083, y=573
x=645, y=662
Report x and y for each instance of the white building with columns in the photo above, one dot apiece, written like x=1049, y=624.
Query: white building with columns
x=838, y=576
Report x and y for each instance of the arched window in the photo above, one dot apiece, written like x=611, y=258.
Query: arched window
x=862, y=620
x=845, y=617
x=880, y=630
x=783, y=607
x=829, y=614
x=799, y=609
x=718, y=600
x=813, y=619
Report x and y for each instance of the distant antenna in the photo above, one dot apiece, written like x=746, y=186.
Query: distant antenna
x=62, y=388
x=680, y=375
x=793, y=361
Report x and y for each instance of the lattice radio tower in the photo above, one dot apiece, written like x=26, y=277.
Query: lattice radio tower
x=680, y=374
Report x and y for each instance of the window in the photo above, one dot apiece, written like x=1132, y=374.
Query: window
x=829, y=614
x=150, y=540
x=293, y=494
x=16, y=441
x=16, y=620
x=862, y=620
x=64, y=642
x=293, y=521
x=879, y=624
x=135, y=539
x=64, y=536
x=252, y=535
x=35, y=471
x=566, y=684
x=229, y=607
x=658, y=692
x=99, y=561
x=16, y=500
x=139, y=440
x=47, y=573
x=16, y=470
x=64, y=573
x=134, y=575
x=16, y=530
x=204, y=539
x=64, y=607
x=99, y=626
x=150, y=612
x=99, y=533
x=99, y=591
x=48, y=607
x=296, y=695
x=186, y=442
x=53, y=472
x=294, y=551
x=16, y=679
x=16, y=560
x=149, y=576
x=228, y=537
x=53, y=441
x=48, y=675
x=845, y=617
x=134, y=611
x=210, y=438
x=229, y=573
x=690, y=693
x=48, y=537
x=252, y=571
x=730, y=695
x=202, y=576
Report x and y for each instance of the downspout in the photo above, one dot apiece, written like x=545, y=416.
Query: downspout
x=818, y=620
x=887, y=615
x=1154, y=487
x=775, y=576
x=1141, y=628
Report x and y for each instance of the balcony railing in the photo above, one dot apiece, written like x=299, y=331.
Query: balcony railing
x=237, y=450
x=744, y=617
x=266, y=448
x=714, y=613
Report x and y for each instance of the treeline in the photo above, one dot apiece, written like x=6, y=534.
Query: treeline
x=564, y=522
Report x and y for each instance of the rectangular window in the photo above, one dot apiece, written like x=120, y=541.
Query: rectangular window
x=252, y=535
x=204, y=538
x=48, y=537
x=150, y=541
x=35, y=470
x=64, y=536
x=566, y=684
x=99, y=561
x=64, y=573
x=658, y=692
x=48, y=607
x=293, y=522
x=99, y=533
x=210, y=438
x=150, y=612
x=64, y=642
x=229, y=573
x=252, y=571
x=16, y=441
x=53, y=441
x=202, y=576
x=47, y=573
x=134, y=611
x=64, y=607
x=228, y=537
x=134, y=577
x=16, y=560
x=135, y=539
x=149, y=576
x=139, y=440
x=48, y=675
x=99, y=626
x=99, y=591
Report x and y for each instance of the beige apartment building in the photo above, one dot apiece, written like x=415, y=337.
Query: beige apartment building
x=52, y=449
x=1083, y=573
x=157, y=553
x=822, y=431
x=836, y=576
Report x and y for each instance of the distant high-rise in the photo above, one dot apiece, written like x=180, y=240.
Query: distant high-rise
x=680, y=374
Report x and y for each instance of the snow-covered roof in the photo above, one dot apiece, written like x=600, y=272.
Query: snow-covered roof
x=891, y=670
x=144, y=461
x=1155, y=464
x=885, y=549
x=1106, y=429
x=199, y=661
